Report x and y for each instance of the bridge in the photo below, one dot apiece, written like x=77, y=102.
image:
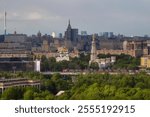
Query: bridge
x=78, y=73
x=63, y=73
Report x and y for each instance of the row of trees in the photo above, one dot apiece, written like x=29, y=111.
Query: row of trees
x=87, y=87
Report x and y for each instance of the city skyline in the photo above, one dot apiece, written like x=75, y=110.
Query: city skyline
x=126, y=17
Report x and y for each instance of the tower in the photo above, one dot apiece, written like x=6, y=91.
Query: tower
x=5, y=14
x=68, y=32
x=71, y=37
x=93, y=50
x=68, y=43
x=37, y=65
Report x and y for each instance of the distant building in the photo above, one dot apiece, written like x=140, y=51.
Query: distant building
x=135, y=48
x=60, y=35
x=18, y=82
x=74, y=35
x=37, y=65
x=83, y=33
x=45, y=46
x=39, y=34
x=132, y=45
x=16, y=65
x=2, y=38
x=134, y=53
x=47, y=54
x=108, y=43
x=15, y=46
x=15, y=53
x=146, y=48
x=63, y=54
x=53, y=34
x=71, y=37
x=145, y=61
x=106, y=62
x=107, y=34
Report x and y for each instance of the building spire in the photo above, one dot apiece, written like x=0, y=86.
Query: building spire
x=69, y=21
x=93, y=37
x=69, y=25
x=93, y=50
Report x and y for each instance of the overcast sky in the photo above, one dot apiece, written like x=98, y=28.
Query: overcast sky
x=128, y=17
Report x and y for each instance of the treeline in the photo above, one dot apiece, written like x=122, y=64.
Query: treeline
x=86, y=87
x=123, y=61
x=50, y=64
x=110, y=87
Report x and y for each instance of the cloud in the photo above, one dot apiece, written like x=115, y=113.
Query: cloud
x=40, y=16
x=90, y=15
x=34, y=16
x=30, y=16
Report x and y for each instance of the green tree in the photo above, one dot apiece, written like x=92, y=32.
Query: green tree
x=94, y=66
x=12, y=93
x=43, y=95
x=28, y=95
x=44, y=64
x=92, y=92
x=50, y=86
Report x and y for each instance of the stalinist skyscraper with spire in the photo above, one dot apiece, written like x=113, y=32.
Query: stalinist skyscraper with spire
x=71, y=36
x=93, y=51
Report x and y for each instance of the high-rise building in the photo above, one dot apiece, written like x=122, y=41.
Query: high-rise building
x=74, y=35
x=53, y=34
x=107, y=34
x=71, y=34
x=60, y=35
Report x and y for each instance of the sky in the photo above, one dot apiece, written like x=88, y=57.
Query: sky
x=128, y=17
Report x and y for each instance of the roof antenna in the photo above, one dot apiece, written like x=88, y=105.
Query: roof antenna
x=5, y=14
